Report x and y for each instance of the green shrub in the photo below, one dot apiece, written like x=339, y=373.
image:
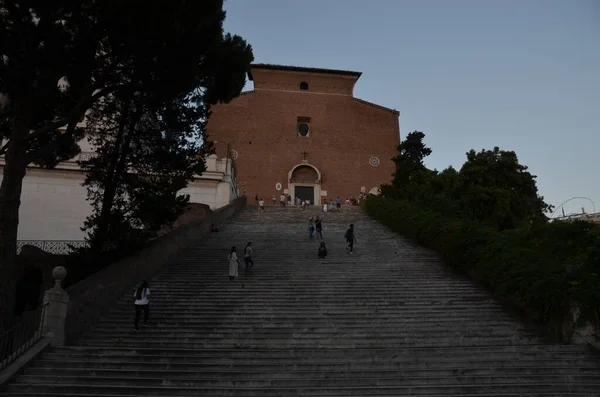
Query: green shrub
x=543, y=268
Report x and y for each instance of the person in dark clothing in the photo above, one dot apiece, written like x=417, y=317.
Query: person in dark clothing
x=350, y=239
x=322, y=251
x=311, y=228
x=319, y=227
x=141, y=303
x=248, y=257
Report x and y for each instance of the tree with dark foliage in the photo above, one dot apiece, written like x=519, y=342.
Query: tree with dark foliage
x=58, y=58
x=491, y=187
x=409, y=165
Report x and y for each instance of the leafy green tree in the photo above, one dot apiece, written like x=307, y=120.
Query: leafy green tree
x=144, y=164
x=493, y=187
x=409, y=165
x=151, y=147
x=58, y=58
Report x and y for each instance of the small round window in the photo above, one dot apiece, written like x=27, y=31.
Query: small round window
x=303, y=129
x=304, y=86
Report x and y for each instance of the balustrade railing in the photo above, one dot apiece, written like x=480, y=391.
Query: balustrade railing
x=20, y=337
x=57, y=247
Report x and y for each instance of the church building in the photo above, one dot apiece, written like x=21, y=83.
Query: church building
x=302, y=132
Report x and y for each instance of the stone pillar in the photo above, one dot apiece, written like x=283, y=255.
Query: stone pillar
x=56, y=302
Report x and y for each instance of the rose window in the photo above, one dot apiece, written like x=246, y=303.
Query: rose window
x=374, y=161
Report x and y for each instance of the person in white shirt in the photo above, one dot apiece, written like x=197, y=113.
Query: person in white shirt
x=141, y=303
x=233, y=264
x=261, y=205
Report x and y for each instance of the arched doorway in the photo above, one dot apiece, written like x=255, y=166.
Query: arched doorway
x=305, y=183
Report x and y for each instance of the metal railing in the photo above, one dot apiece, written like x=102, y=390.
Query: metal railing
x=57, y=247
x=20, y=337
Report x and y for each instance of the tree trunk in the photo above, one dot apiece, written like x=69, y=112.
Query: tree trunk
x=10, y=201
x=101, y=231
x=117, y=167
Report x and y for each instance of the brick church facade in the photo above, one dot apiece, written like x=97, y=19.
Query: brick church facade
x=301, y=131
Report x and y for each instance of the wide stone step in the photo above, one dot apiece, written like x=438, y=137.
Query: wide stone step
x=291, y=313
x=550, y=394
x=324, y=295
x=260, y=374
x=270, y=274
x=324, y=366
x=289, y=288
x=178, y=306
x=340, y=309
x=375, y=381
x=199, y=318
x=391, y=301
x=291, y=291
x=368, y=390
x=243, y=326
x=239, y=312
x=273, y=343
x=308, y=331
x=245, y=357
x=540, y=348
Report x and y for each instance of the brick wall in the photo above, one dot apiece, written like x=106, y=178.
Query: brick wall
x=345, y=132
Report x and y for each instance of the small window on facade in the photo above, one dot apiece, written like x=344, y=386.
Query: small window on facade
x=303, y=126
x=304, y=86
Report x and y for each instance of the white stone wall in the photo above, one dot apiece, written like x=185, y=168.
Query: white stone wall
x=54, y=206
x=203, y=193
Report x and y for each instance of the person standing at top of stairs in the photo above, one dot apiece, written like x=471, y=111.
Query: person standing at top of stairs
x=142, y=303
x=350, y=238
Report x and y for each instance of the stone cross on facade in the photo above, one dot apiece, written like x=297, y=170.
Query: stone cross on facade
x=304, y=155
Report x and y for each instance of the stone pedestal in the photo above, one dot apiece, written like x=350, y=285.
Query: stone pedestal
x=56, y=302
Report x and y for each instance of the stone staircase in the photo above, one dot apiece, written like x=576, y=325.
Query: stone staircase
x=389, y=320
